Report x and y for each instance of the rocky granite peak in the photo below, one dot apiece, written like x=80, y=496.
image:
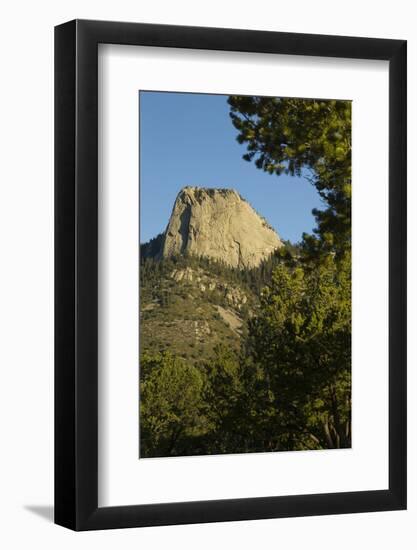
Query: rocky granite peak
x=217, y=224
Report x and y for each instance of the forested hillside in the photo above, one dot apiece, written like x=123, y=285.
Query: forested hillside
x=230, y=363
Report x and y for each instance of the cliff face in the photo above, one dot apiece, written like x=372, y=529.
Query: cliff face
x=218, y=224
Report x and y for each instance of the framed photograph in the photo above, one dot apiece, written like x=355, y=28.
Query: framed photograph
x=230, y=253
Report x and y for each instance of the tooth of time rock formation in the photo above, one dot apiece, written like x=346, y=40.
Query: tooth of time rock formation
x=217, y=224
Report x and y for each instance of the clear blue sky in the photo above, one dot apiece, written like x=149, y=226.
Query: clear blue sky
x=189, y=139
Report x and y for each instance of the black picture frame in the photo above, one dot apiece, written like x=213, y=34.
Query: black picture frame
x=76, y=272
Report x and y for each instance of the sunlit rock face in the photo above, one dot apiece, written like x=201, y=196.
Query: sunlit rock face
x=217, y=224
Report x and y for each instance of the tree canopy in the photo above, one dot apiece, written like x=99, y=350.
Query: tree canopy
x=299, y=346
x=172, y=409
x=307, y=137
